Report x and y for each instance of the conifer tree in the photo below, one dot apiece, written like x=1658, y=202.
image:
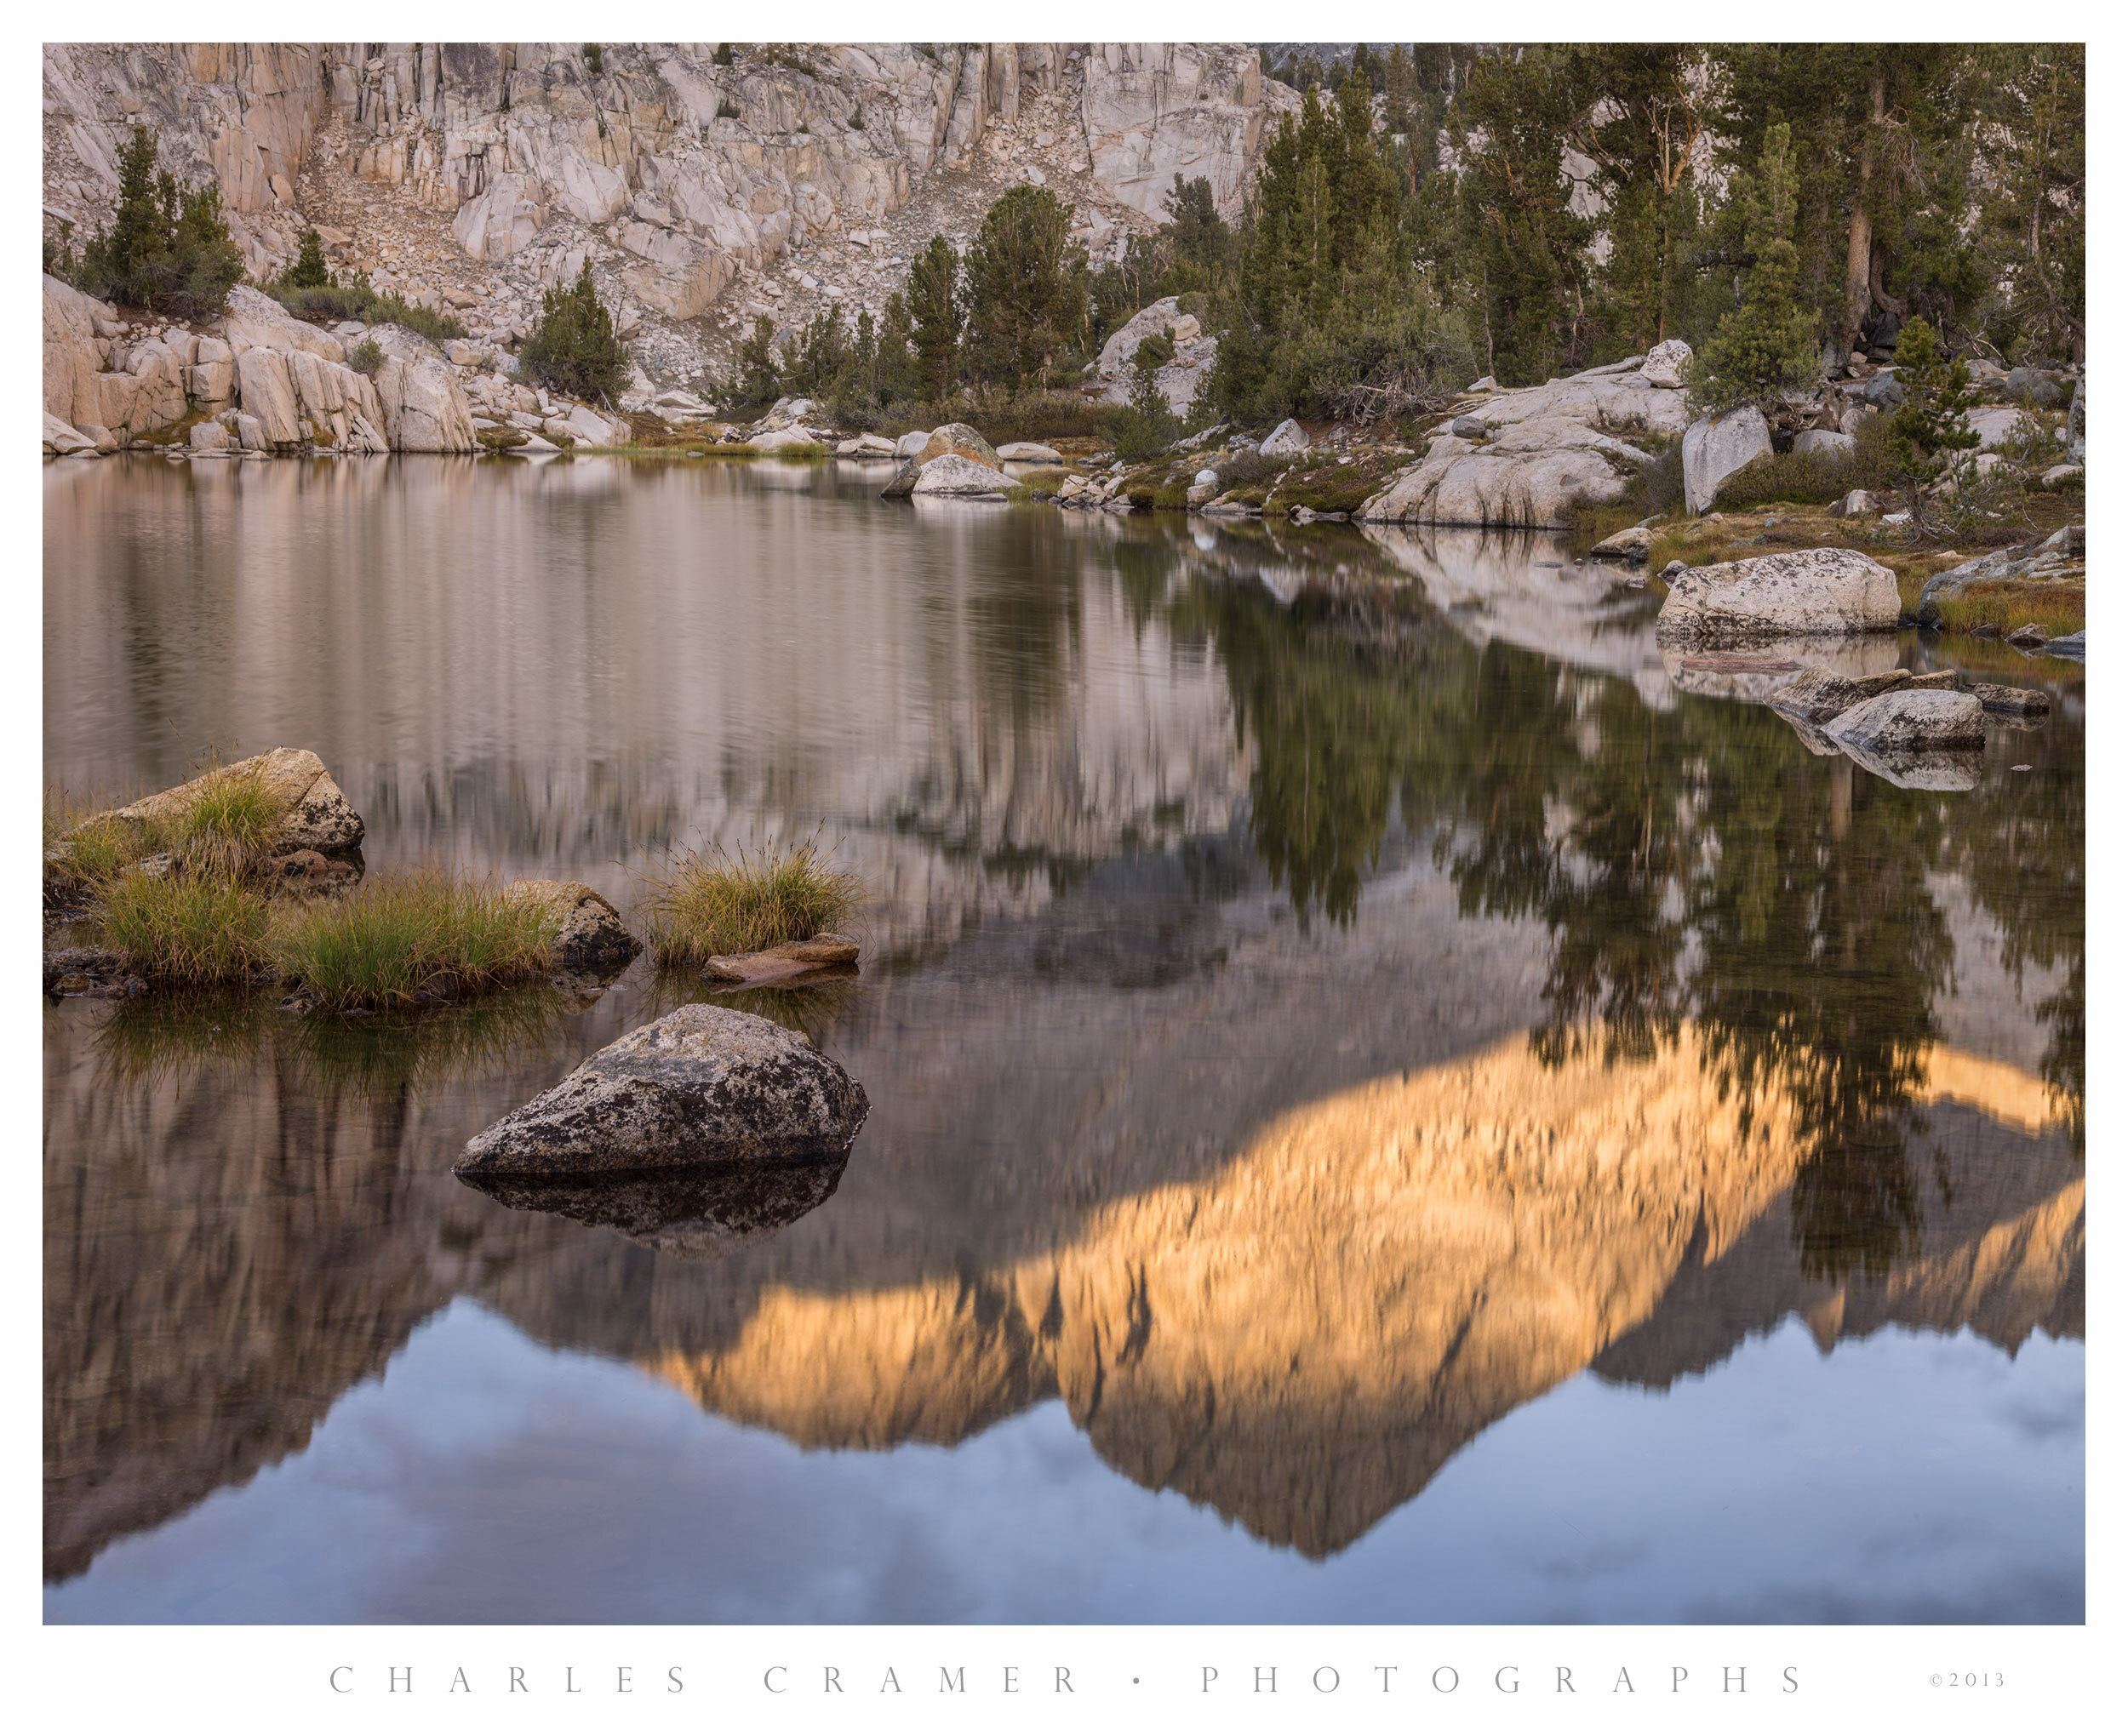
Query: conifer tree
x=1929, y=428
x=1026, y=286
x=936, y=316
x=575, y=348
x=1769, y=339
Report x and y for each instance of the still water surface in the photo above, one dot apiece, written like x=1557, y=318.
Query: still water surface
x=1498, y=1130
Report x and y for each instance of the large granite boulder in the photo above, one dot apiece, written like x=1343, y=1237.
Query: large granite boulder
x=703, y=1084
x=1529, y=474
x=1998, y=424
x=951, y=477
x=1803, y=592
x=1910, y=720
x=1715, y=449
x=1665, y=364
x=1619, y=395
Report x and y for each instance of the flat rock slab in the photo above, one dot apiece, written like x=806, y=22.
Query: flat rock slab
x=1819, y=696
x=703, y=1084
x=777, y=963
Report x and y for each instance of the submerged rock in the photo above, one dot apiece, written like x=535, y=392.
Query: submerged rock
x=590, y=932
x=1818, y=695
x=2012, y=701
x=1804, y=591
x=703, y=1084
x=1631, y=544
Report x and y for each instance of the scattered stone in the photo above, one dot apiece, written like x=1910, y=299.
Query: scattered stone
x=589, y=933
x=1632, y=544
x=1288, y=440
x=2030, y=634
x=1470, y=428
x=703, y=1084
x=866, y=446
x=1029, y=452
x=2071, y=645
x=2012, y=701
x=1824, y=443
x=1666, y=363
x=792, y=958
x=1803, y=592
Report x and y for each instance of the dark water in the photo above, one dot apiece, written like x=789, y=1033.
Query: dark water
x=1478, y=1130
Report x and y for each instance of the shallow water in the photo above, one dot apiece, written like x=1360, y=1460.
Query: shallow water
x=1478, y=1131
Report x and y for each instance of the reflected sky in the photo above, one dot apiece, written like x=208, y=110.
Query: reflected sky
x=485, y=1472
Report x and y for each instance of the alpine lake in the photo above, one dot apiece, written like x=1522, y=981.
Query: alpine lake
x=1426, y=1112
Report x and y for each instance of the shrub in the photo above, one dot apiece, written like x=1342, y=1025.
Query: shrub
x=723, y=56
x=726, y=109
x=593, y=58
x=358, y=301
x=167, y=248
x=575, y=349
x=184, y=929
x=857, y=118
x=713, y=902
x=382, y=943
x=1810, y=479
x=367, y=358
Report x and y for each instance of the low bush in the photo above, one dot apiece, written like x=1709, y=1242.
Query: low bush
x=326, y=303
x=713, y=902
x=382, y=943
x=367, y=358
x=1809, y=479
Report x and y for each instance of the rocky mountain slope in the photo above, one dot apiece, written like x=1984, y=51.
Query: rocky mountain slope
x=707, y=183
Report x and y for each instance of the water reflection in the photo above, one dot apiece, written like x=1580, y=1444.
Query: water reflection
x=1298, y=1036
x=706, y=1213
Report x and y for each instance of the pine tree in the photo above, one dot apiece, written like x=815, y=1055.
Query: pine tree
x=1929, y=426
x=167, y=248
x=1026, y=286
x=1769, y=340
x=575, y=349
x=760, y=376
x=936, y=315
x=310, y=270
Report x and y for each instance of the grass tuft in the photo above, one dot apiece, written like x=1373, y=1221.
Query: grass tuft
x=713, y=902
x=187, y=930
x=2058, y=608
x=395, y=935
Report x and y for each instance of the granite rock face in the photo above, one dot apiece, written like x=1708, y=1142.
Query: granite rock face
x=703, y=1084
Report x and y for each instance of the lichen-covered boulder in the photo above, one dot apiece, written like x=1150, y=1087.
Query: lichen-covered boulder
x=317, y=814
x=703, y=1084
x=1802, y=591
x=589, y=931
